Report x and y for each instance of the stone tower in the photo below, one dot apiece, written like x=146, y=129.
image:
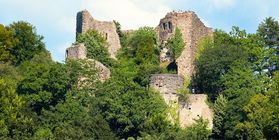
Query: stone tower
x=85, y=22
x=192, y=30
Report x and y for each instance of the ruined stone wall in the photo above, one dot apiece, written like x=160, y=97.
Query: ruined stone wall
x=195, y=108
x=108, y=29
x=76, y=51
x=192, y=30
x=168, y=85
x=185, y=62
x=103, y=71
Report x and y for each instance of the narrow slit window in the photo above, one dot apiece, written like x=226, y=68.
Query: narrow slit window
x=169, y=25
x=165, y=26
x=67, y=53
x=106, y=36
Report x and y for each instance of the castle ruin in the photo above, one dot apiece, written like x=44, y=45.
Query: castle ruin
x=192, y=30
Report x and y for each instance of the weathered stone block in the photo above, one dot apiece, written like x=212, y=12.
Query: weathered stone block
x=103, y=71
x=167, y=85
x=76, y=51
x=195, y=107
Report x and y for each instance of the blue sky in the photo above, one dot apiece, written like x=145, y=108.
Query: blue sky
x=55, y=19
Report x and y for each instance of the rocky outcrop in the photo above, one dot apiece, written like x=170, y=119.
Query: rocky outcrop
x=78, y=51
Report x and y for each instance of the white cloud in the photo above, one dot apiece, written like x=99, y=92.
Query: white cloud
x=130, y=13
x=58, y=52
x=67, y=24
x=48, y=12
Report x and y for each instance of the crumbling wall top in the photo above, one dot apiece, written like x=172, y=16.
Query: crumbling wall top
x=166, y=83
x=76, y=51
x=107, y=29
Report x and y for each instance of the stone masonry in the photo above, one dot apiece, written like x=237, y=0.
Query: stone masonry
x=195, y=108
x=192, y=30
x=85, y=22
x=168, y=85
x=76, y=51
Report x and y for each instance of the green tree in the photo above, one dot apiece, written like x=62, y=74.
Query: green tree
x=213, y=64
x=122, y=35
x=14, y=123
x=143, y=46
x=8, y=71
x=84, y=75
x=197, y=131
x=76, y=118
x=142, y=53
x=176, y=43
x=239, y=86
x=268, y=30
x=262, y=111
x=29, y=42
x=239, y=80
x=130, y=109
x=219, y=108
x=203, y=44
x=44, y=82
x=97, y=47
x=7, y=43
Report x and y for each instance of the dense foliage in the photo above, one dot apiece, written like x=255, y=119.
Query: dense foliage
x=176, y=44
x=96, y=47
x=43, y=99
x=239, y=72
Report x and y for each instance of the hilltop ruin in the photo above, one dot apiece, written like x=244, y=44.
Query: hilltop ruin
x=192, y=30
